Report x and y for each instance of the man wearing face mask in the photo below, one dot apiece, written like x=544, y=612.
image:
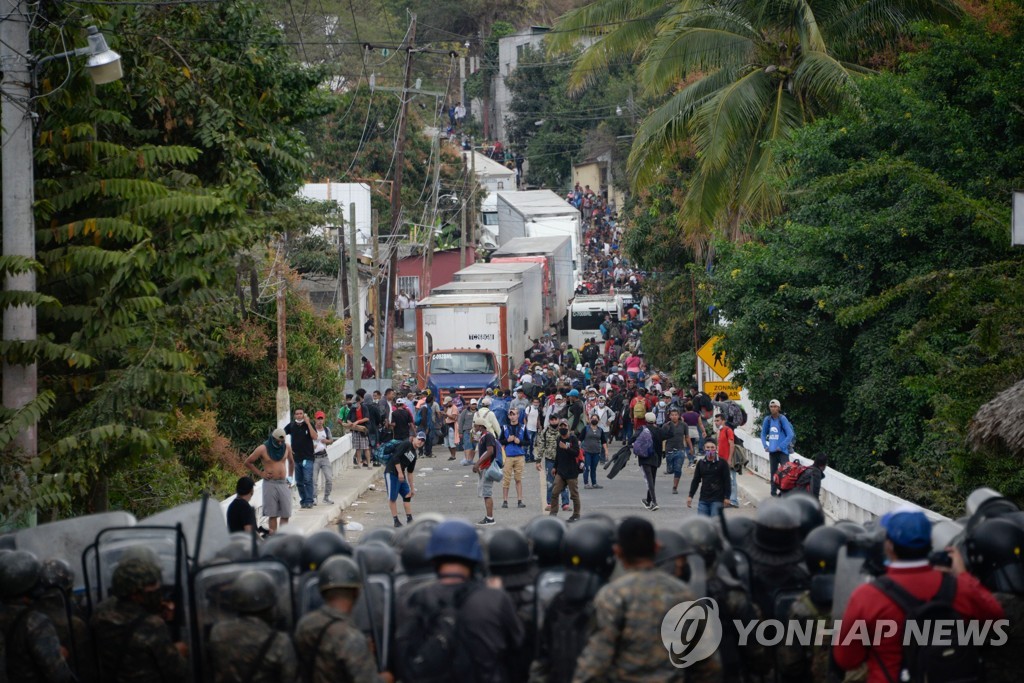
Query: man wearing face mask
x=275, y=456
x=567, y=470
x=604, y=414
x=133, y=642
x=595, y=449
x=557, y=409
x=547, y=451
x=712, y=476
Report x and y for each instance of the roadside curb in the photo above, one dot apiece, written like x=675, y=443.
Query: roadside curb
x=353, y=483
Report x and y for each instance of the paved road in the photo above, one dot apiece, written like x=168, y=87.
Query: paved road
x=450, y=489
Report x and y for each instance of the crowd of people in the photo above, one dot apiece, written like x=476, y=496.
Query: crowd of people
x=547, y=602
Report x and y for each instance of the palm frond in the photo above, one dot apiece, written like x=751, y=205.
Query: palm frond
x=731, y=117
x=824, y=82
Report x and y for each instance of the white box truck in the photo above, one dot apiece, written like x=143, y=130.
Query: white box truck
x=530, y=274
x=531, y=299
x=472, y=342
x=554, y=255
x=538, y=213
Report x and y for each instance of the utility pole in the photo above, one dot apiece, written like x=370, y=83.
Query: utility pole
x=472, y=199
x=382, y=313
x=396, y=191
x=462, y=239
x=20, y=382
x=428, y=256
x=353, y=288
x=344, y=307
x=283, y=398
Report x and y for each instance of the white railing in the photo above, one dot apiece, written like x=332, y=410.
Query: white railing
x=842, y=497
x=340, y=455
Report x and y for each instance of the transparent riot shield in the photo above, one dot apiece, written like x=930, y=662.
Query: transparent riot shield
x=67, y=539
x=549, y=584
x=374, y=612
x=202, y=522
x=850, y=574
x=697, y=582
x=211, y=603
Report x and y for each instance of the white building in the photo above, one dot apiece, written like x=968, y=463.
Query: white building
x=344, y=194
x=510, y=50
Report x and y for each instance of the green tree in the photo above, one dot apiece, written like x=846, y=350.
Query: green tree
x=742, y=74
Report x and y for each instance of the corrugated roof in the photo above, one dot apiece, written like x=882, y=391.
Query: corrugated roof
x=529, y=246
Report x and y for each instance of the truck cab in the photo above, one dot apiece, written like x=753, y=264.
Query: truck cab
x=470, y=371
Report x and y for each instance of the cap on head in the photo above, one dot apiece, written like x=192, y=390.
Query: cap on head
x=574, y=393
x=422, y=436
x=278, y=433
x=320, y=414
x=907, y=528
x=774, y=403
x=473, y=402
x=132, y=576
x=650, y=417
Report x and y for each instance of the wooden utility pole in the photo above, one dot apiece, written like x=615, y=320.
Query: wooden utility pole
x=382, y=314
x=462, y=239
x=428, y=256
x=396, y=193
x=344, y=308
x=353, y=288
x=283, y=400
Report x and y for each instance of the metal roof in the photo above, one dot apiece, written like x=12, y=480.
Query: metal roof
x=531, y=246
x=489, y=168
x=496, y=268
x=481, y=298
x=489, y=285
x=538, y=203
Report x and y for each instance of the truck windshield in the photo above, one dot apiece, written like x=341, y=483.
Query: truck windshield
x=587, y=320
x=467, y=363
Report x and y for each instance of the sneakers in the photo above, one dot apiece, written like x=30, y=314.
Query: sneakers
x=675, y=492
x=565, y=508
x=328, y=501
x=397, y=523
x=547, y=508
x=586, y=486
x=654, y=506
x=521, y=505
x=574, y=518
x=504, y=505
x=465, y=463
x=646, y=503
x=596, y=486
x=486, y=521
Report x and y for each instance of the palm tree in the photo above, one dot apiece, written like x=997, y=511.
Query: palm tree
x=739, y=75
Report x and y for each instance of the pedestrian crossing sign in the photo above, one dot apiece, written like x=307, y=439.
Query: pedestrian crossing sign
x=714, y=361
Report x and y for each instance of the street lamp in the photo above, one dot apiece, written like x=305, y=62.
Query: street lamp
x=103, y=64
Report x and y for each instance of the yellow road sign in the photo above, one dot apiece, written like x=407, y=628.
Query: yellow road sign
x=716, y=363
x=733, y=390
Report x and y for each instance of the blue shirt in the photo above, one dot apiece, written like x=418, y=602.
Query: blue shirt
x=777, y=434
x=519, y=432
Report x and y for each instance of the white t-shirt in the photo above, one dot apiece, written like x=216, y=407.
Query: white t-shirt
x=532, y=416
x=319, y=446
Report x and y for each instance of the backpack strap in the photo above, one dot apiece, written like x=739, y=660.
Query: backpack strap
x=904, y=599
x=264, y=649
x=316, y=647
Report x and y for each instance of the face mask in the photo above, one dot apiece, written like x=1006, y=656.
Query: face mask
x=661, y=404
x=559, y=404
x=593, y=422
x=563, y=431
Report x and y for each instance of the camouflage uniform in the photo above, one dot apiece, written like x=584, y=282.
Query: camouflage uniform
x=737, y=662
x=246, y=649
x=626, y=645
x=796, y=662
x=1002, y=664
x=32, y=648
x=135, y=646
x=331, y=649
x=74, y=636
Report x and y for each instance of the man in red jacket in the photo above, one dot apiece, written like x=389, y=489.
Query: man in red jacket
x=907, y=545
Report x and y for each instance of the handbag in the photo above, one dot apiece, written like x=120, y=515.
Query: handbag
x=693, y=432
x=494, y=471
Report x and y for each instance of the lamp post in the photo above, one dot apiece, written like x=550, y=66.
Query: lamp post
x=20, y=382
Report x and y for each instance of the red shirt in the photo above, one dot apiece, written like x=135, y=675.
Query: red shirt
x=726, y=437
x=972, y=601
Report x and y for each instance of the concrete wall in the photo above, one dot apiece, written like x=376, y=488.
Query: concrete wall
x=340, y=454
x=508, y=59
x=842, y=497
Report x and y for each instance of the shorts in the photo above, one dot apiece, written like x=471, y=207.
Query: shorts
x=449, y=439
x=277, y=498
x=513, y=469
x=360, y=441
x=485, y=487
x=467, y=440
x=395, y=488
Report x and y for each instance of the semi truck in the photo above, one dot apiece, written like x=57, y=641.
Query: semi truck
x=531, y=298
x=538, y=213
x=470, y=341
x=554, y=255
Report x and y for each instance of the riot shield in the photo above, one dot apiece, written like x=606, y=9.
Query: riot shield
x=67, y=539
x=549, y=584
x=307, y=594
x=211, y=603
x=735, y=564
x=698, y=579
x=203, y=524
x=850, y=574
x=373, y=614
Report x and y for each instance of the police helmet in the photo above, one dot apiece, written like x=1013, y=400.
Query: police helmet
x=19, y=573
x=140, y=552
x=673, y=544
x=703, y=536
x=339, y=572
x=546, y=534
x=821, y=549
x=414, y=554
x=808, y=511
x=849, y=527
x=284, y=547
x=132, y=576
x=739, y=530
x=237, y=550
x=57, y=573
x=776, y=539
x=588, y=545
x=994, y=554
x=384, y=535
x=508, y=552
x=252, y=592
x=376, y=557
x=456, y=539
x=319, y=546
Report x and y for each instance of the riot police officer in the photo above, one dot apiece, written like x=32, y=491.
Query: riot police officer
x=56, y=581
x=995, y=553
x=510, y=559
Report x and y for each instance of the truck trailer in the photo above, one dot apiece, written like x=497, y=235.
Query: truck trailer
x=539, y=213
x=533, y=311
x=554, y=255
x=530, y=274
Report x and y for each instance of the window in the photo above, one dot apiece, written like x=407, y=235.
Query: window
x=468, y=363
x=410, y=284
x=501, y=184
x=586, y=320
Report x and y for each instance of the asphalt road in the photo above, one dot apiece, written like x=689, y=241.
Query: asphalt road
x=445, y=487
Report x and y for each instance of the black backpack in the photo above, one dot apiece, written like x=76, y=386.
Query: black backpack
x=431, y=647
x=953, y=662
x=567, y=627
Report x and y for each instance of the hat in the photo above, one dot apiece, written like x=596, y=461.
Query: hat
x=473, y=402
x=422, y=436
x=319, y=414
x=563, y=421
x=574, y=393
x=278, y=433
x=553, y=416
x=650, y=417
x=132, y=576
x=774, y=402
x=447, y=400
x=559, y=397
x=907, y=528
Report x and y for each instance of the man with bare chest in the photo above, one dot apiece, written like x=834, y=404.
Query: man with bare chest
x=275, y=458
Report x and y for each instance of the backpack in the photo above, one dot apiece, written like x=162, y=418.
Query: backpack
x=787, y=475
x=639, y=409
x=570, y=625
x=432, y=646
x=935, y=663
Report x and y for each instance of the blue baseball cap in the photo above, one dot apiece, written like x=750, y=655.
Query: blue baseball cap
x=574, y=393
x=907, y=528
x=422, y=436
